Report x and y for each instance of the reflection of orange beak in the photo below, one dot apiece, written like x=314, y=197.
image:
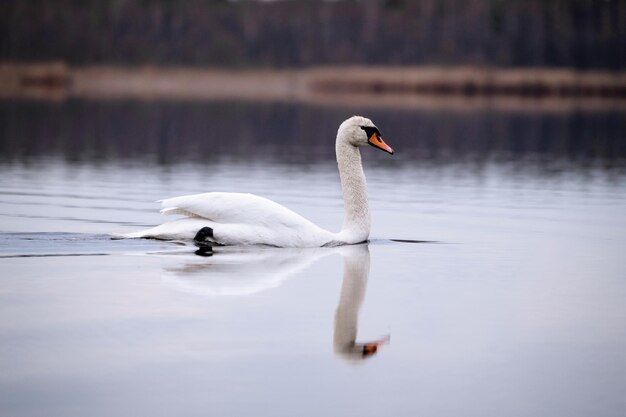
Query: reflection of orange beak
x=378, y=142
x=370, y=349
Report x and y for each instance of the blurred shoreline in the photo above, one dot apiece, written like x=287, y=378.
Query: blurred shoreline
x=429, y=88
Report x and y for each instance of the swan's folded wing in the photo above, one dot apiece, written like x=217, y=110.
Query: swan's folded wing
x=233, y=208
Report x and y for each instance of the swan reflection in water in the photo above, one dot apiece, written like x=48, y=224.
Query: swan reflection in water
x=240, y=271
x=356, y=270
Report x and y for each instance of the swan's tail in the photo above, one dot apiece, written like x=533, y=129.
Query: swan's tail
x=132, y=235
x=181, y=229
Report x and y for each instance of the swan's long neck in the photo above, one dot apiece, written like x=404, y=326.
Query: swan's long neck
x=356, y=223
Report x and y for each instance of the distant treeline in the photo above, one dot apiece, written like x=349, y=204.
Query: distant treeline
x=504, y=33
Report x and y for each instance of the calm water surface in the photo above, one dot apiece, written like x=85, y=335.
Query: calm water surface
x=515, y=307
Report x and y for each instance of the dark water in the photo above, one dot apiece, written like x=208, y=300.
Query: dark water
x=517, y=308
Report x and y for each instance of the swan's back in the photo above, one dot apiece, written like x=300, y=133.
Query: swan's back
x=240, y=208
x=239, y=218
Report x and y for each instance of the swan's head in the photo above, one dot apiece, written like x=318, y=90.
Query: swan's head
x=361, y=131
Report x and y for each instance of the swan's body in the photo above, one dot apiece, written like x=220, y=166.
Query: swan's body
x=237, y=219
x=243, y=219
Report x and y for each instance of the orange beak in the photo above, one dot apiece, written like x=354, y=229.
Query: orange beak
x=378, y=142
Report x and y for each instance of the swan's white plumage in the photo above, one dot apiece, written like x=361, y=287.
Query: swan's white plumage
x=238, y=218
x=241, y=219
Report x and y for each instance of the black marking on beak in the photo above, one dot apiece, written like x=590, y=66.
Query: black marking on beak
x=371, y=130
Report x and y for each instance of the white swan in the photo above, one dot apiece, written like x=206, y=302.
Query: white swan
x=242, y=219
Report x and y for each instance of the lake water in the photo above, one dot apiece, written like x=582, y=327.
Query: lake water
x=515, y=305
